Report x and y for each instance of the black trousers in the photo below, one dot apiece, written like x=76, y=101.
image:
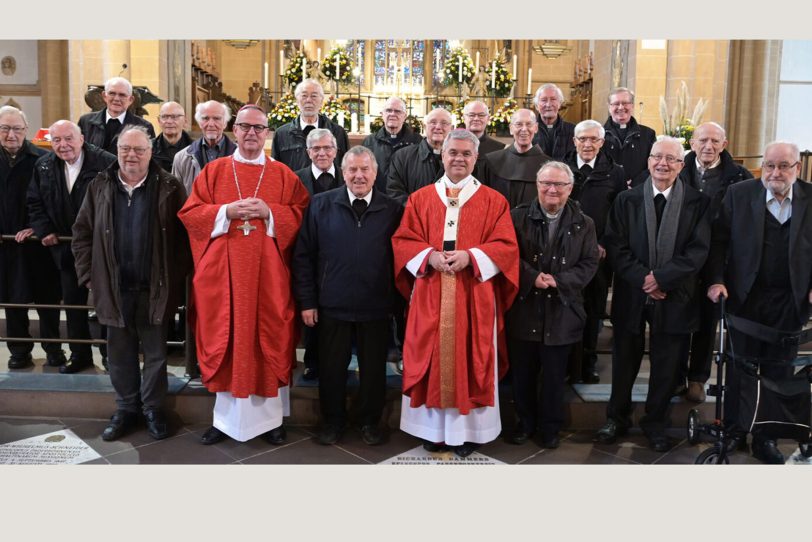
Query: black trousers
x=666, y=352
x=335, y=339
x=132, y=389
x=311, y=345
x=595, y=295
x=78, y=327
x=703, y=342
x=527, y=358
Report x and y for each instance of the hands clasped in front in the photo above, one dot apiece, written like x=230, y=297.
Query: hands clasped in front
x=651, y=287
x=247, y=209
x=449, y=261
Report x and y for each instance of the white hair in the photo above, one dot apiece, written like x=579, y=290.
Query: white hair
x=201, y=106
x=547, y=86
x=589, y=124
x=11, y=110
x=300, y=87
x=116, y=80
x=672, y=140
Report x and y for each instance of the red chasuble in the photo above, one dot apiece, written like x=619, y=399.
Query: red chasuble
x=246, y=318
x=484, y=223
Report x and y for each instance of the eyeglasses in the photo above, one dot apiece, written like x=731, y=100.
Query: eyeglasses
x=312, y=96
x=114, y=94
x=326, y=148
x=139, y=151
x=550, y=184
x=439, y=123
x=170, y=117
x=620, y=104
x=584, y=139
x=667, y=157
x=766, y=166
x=5, y=128
x=453, y=153
x=245, y=127
x=525, y=125
x=394, y=112
x=476, y=115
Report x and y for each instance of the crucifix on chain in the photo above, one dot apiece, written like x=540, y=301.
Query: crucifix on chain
x=246, y=227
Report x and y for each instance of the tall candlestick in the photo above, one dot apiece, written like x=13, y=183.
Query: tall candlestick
x=281, y=62
x=338, y=68
x=493, y=76
x=318, y=54
x=265, y=79
x=529, y=80
x=477, y=61
x=460, y=68
x=515, y=58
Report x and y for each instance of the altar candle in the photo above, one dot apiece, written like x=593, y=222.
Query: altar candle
x=318, y=55
x=304, y=68
x=354, y=122
x=338, y=68
x=493, y=75
x=454, y=121
x=515, y=58
x=265, y=79
x=341, y=119
x=477, y=61
x=529, y=80
x=460, y=68
x=437, y=65
x=367, y=123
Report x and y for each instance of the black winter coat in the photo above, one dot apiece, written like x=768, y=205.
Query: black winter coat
x=597, y=192
x=342, y=265
x=412, y=168
x=631, y=152
x=554, y=316
x=290, y=145
x=560, y=143
x=731, y=173
x=92, y=126
x=51, y=208
x=382, y=147
x=626, y=244
x=309, y=181
x=94, y=250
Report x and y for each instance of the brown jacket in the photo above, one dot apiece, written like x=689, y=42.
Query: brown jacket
x=94, y=252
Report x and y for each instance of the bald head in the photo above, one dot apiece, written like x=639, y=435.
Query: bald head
x=523, y=127
x=66, y=140
x=172, y=119
x=708, y=141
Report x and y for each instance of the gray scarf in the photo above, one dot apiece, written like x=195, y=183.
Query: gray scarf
x=661, y=244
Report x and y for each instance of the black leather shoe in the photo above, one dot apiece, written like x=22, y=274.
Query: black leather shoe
x=465, y=449
x=519, y=436
x=212, y=436
x=551, y=443
x=736, y=442
x=56, y=360
x=806, y=449
x=589, y=375
x=156, y=424
x=76, y=364
x=329, y=434
x=310, y=374
x=609, y=432
x=433, y=446
x=20, y=361
x=371, y=435
x=276, y=436
x=680, y=389
x=120, y=423
x=659, y=442
x=767, y=452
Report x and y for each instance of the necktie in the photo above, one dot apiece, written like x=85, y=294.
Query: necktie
x=325, y=181
x=111, y=130
x=359, y=206
x=586, y=169
x=659, y=206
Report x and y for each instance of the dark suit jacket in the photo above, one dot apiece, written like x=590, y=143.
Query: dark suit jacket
x=92, y=126
x=626, y=243
x=738, y=238
x=306, y=176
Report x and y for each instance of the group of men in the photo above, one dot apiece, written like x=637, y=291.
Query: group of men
x=460, y=225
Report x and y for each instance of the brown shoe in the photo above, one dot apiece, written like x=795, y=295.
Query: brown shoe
x=696, y=392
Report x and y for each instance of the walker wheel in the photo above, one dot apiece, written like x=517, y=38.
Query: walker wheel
x=711, y=456
x=693, y=426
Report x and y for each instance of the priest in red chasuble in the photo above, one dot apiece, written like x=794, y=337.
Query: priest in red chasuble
x=243, y=216
x=457, y=260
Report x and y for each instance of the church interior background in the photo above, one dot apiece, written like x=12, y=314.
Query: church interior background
x=755, y=89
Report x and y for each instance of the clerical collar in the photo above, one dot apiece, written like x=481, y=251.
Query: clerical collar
x=303, y=124
x=461, y=184
x=552, y=217
x=702, y=169
x=664, y=192
x=317, y=172
x=367, y=198
x=581, y=163
x=120, y=118
x=259, y=160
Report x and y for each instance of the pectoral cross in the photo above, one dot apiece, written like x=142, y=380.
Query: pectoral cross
x=246, y=227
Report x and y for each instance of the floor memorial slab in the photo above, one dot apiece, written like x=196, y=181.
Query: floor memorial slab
x=57, y=448
x=419, y=456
